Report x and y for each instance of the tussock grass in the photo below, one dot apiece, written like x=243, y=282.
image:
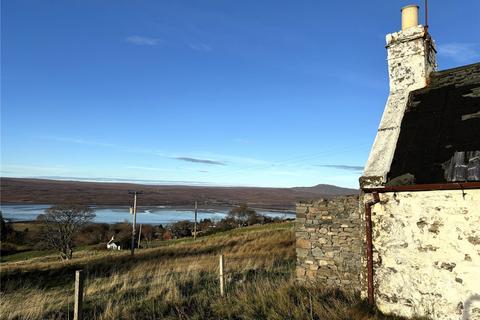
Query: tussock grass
x=178, y=280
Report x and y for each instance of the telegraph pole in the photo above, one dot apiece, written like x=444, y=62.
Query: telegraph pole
x=195, y=224
x=134, y=218
x=139, y=237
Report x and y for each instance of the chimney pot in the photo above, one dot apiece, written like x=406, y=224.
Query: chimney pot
x=409, y=16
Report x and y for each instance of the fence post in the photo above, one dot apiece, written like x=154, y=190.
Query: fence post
x=222, y=280
x=78, y=310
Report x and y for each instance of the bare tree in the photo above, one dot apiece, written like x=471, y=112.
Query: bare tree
x=243, y=215
x=61, y=224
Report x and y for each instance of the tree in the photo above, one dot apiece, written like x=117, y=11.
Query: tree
x=6, y=230
x=148, y=233
x=123, y=234
x=182, y=229
x=244, y=215
x=205, y=224
x=62, y=222
x=3, y=227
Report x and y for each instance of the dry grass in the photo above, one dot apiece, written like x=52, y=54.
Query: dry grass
x=178, y=281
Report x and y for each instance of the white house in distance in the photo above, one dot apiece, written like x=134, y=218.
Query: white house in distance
x=421, y=185
x=112, y=245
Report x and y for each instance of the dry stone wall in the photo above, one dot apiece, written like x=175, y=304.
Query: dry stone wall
x=329, y=242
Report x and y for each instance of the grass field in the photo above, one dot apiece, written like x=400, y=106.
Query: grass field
x=178, y=280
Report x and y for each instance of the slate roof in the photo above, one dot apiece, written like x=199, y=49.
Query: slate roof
x=440, y=133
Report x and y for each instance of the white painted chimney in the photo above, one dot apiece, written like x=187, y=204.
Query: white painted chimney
x=411, y=53
x=411, y=59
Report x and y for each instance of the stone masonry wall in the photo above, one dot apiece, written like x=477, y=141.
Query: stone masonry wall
x=329, y=242
x=427, y=254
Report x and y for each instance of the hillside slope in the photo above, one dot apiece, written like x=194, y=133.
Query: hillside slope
x=179, y=280
x=15, y=190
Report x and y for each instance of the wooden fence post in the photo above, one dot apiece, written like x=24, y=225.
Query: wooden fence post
x=222, y=280
x=78, y=310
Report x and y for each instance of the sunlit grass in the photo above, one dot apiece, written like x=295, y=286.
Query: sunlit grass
x=179, y=280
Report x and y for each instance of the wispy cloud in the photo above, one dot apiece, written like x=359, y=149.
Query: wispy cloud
x=142, y=41
x=128, y=149
x=124, y=180
x=82, y=141
x=241, y=140
x=231, y=158
x=201, y=155
x=146, y=168
x=460, y=52
x=200, y=47
x=342, y=167
x=16, y=168
x=197, y=160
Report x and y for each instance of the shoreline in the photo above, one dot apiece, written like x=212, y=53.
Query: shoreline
x=153, y=215
x=166, y=207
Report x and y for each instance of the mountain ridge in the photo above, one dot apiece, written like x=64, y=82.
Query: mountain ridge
x=46, y=191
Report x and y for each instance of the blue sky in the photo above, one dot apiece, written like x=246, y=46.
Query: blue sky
x=255, y=93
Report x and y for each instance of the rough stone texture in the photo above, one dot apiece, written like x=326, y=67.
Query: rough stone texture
x=329, y=242
x=427, y=254
x=411, y=58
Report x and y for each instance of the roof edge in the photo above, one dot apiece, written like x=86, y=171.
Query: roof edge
x=455, y=69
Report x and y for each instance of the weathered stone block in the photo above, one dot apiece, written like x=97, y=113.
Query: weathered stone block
x=317, y=252
x=302, y=234
x=303, y=243
x=302, y=253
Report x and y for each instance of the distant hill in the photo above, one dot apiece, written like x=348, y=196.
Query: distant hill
x=325, y=189
x=43, y=191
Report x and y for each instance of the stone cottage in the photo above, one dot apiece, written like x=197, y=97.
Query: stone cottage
x=419, y=212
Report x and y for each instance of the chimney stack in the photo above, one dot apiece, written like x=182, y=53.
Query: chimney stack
x=411, y=59
x=411, y=53
x=409, y=16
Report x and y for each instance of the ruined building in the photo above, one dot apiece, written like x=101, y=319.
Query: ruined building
x=411, y=243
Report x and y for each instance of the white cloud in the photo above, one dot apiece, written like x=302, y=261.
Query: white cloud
x=460, y=52
x=142, y=41
x=200, y=47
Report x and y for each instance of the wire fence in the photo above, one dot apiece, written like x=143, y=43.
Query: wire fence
x=89, y=286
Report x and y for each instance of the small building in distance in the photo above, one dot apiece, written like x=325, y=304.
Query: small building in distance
x=112, y=245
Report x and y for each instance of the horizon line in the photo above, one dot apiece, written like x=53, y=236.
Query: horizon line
x=148, y=182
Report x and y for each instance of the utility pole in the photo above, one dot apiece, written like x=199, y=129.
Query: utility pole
x=195, y=224
x=134, y=218
x=139, y=237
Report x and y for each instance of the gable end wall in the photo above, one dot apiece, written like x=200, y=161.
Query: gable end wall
x=427, y=254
